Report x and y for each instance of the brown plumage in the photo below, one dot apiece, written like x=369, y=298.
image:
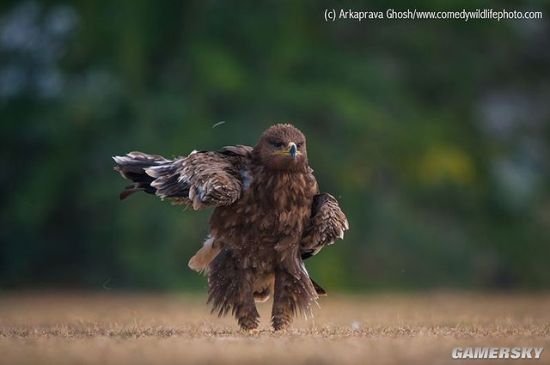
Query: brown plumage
x=269, y=216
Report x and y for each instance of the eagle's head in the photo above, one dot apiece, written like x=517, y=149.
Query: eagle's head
x=282, y=147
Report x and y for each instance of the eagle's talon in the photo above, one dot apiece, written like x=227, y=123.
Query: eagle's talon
x=280, y=324
x=248, y=324
x=250, y=332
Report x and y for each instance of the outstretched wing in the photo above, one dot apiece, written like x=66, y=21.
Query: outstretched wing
x=327, y=223
x=202, y=179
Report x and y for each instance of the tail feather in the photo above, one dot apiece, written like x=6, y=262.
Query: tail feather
x=318, y=288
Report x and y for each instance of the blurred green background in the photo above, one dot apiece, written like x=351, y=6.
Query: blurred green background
x=434, y=136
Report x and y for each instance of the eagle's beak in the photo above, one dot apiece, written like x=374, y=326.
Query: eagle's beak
x=292, y=149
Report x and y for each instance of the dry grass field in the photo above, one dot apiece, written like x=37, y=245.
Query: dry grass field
x=84, y=328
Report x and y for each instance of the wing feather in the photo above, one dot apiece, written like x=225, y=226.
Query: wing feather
x=201, y=179
x=327, y=223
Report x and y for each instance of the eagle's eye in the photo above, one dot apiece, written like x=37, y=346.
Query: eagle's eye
x=277, y=144
x=299, y=145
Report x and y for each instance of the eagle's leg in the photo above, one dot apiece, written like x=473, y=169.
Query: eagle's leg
x=246, y=313
x=293, y=293
x=281, y=315
x=230, y=289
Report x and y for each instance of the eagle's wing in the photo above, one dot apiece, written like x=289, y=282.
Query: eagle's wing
x=327, y=223
x=202, y=179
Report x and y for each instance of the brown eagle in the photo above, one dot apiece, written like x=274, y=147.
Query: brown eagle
x=269, y=216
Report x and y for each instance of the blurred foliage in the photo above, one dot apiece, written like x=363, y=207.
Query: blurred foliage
x=434, y=135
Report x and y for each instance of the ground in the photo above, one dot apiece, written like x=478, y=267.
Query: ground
x=117, y=328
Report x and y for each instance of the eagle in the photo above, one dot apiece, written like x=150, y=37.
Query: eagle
x=269, y=216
